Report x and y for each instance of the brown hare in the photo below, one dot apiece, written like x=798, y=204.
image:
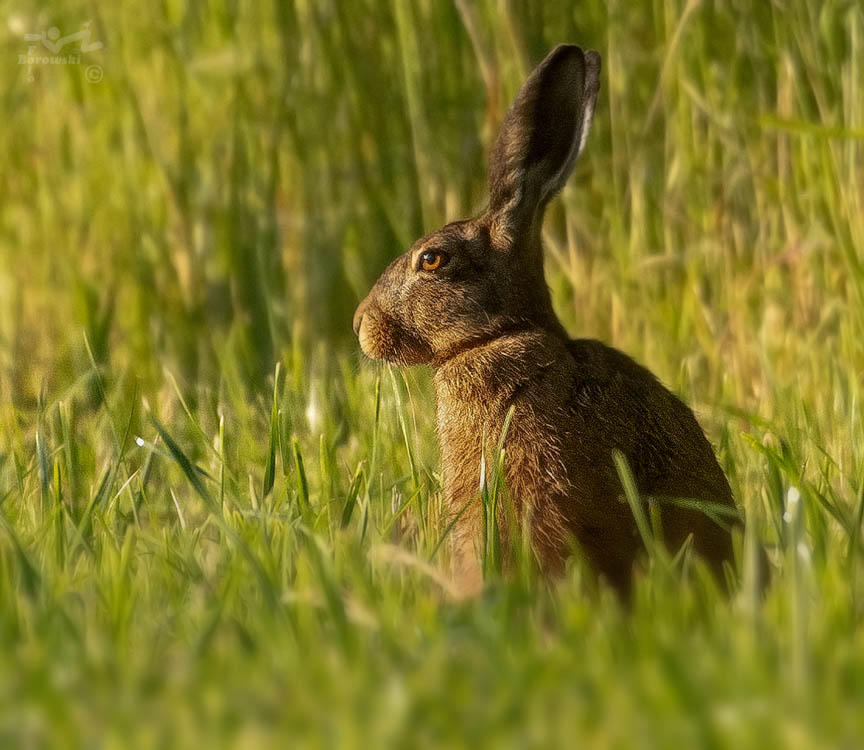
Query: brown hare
x=471, y=301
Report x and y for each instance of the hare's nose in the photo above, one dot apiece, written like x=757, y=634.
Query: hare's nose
x=358, y=317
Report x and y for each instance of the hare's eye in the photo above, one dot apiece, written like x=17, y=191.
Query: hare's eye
x=432, y=260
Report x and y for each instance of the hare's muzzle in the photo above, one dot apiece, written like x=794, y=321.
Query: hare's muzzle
x=358, y=317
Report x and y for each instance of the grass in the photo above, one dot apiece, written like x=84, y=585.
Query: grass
x=218, y=525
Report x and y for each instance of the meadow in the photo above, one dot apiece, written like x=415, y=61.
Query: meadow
x=220, y=525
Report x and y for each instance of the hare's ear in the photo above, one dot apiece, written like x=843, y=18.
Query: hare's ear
x=542, y=136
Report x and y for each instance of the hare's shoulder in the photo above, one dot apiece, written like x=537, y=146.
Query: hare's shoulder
x=607, y=378
x=600, y=365
x=621, y=399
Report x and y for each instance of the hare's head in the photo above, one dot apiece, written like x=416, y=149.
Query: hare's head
x=475, y=280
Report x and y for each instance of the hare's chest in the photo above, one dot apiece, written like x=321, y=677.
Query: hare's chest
x=471, y=434
x=464, y=432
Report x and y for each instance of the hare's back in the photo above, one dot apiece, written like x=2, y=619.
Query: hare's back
x=620, y=405
x=630, y=410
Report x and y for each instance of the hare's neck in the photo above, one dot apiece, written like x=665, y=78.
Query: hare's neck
x=488, y=375
x=474, y=391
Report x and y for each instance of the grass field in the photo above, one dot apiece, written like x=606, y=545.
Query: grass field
x=219, y=526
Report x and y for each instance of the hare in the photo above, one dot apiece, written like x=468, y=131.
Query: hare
x=471, y=301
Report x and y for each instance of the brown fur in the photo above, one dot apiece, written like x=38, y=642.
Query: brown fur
x=484, y=321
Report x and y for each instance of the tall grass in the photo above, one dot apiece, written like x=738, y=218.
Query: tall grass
x=218, y=525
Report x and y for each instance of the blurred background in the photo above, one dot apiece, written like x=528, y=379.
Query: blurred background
x=210, y=189
x=240, y=174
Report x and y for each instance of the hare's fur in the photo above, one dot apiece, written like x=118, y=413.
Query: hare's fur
x=483, y=319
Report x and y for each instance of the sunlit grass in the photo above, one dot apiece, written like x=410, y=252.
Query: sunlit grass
x=218, y=524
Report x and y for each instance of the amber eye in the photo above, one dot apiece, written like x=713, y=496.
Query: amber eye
x=432, y=260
